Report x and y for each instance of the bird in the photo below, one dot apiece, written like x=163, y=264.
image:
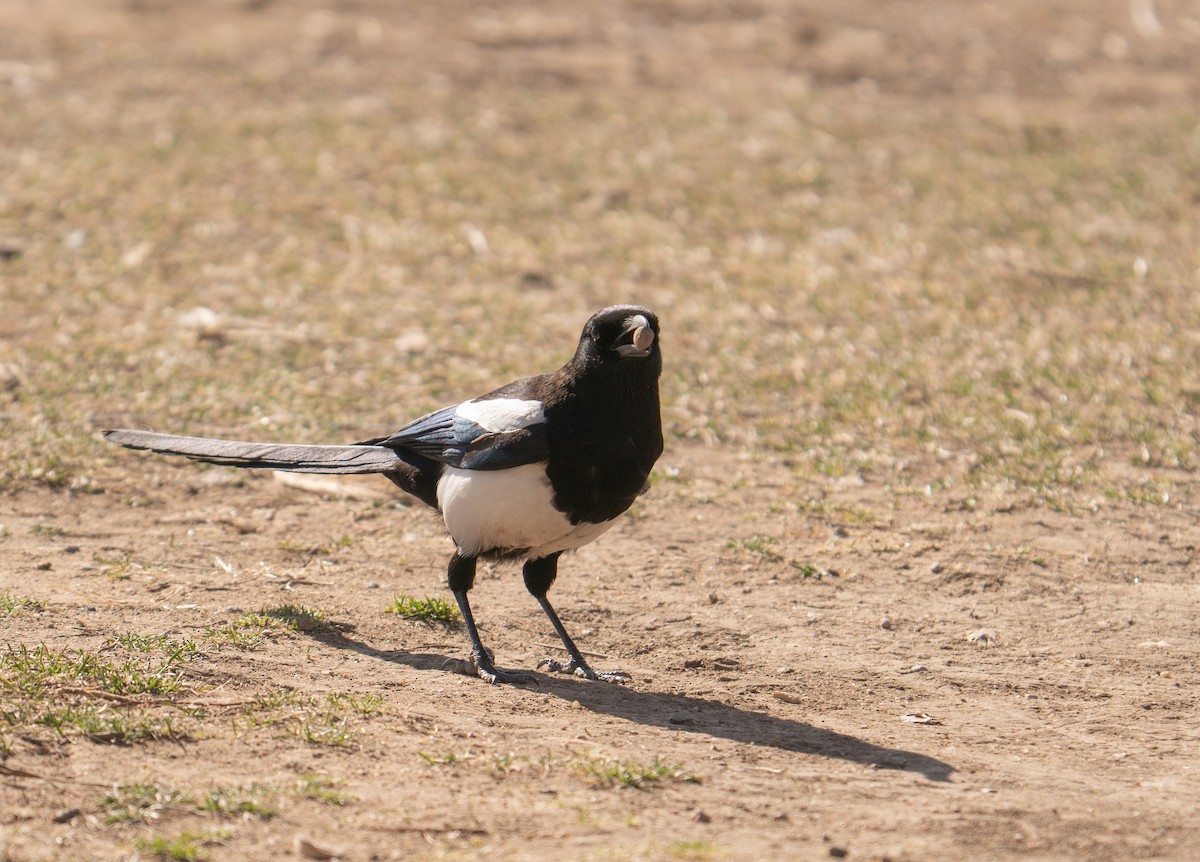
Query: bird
x=525, y=473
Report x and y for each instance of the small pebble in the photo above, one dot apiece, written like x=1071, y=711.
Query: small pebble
x=839, y=852
x=372, y=585
x=936, y=567
x=885, y=623
x=701, y=817
x=44, y=567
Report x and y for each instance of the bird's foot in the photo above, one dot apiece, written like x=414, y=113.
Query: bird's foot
x=483, y=665
x=579, y=667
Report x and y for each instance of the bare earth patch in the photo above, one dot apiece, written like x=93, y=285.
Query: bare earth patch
x=917, y=575
x=831, y=690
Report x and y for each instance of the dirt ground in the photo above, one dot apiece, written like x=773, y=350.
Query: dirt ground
x=823, y=666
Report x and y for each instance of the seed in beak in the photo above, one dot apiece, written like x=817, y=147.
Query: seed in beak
x=643, y=337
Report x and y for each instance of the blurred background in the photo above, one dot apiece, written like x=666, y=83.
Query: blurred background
x=954, y=235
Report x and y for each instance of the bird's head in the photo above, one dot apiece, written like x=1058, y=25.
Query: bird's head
x=624, y=336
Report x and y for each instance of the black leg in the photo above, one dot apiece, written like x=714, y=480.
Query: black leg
x=461, y=577
x=539, y=575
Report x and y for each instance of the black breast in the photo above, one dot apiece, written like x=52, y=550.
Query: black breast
x=602, y=446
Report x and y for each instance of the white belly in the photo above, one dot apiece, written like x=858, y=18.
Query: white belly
x=507, y=511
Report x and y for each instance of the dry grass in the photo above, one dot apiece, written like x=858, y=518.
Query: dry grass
x=944, y=300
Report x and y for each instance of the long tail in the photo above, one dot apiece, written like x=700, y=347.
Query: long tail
x=295, y=458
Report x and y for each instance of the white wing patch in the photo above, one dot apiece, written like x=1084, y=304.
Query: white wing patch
x=508, y=510
x=502, y=414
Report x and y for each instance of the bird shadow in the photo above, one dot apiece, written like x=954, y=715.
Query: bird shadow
x=688, y=714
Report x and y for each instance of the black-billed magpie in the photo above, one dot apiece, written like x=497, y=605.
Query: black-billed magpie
x=526, y=472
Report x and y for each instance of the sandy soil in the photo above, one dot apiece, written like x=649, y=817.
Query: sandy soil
x=974, y=680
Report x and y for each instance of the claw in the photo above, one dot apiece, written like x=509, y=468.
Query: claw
x=483, y=665
x=583, y=670
x=615, y=676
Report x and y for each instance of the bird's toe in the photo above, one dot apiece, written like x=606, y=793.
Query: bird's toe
x=583, y=670
x=484, y=666
x=553, y=665
x=614, y=676
x=510, y=677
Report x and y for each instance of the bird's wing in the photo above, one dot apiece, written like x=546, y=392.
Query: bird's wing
x=488, y=433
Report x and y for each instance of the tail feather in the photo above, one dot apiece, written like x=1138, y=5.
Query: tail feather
x=292, y=457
